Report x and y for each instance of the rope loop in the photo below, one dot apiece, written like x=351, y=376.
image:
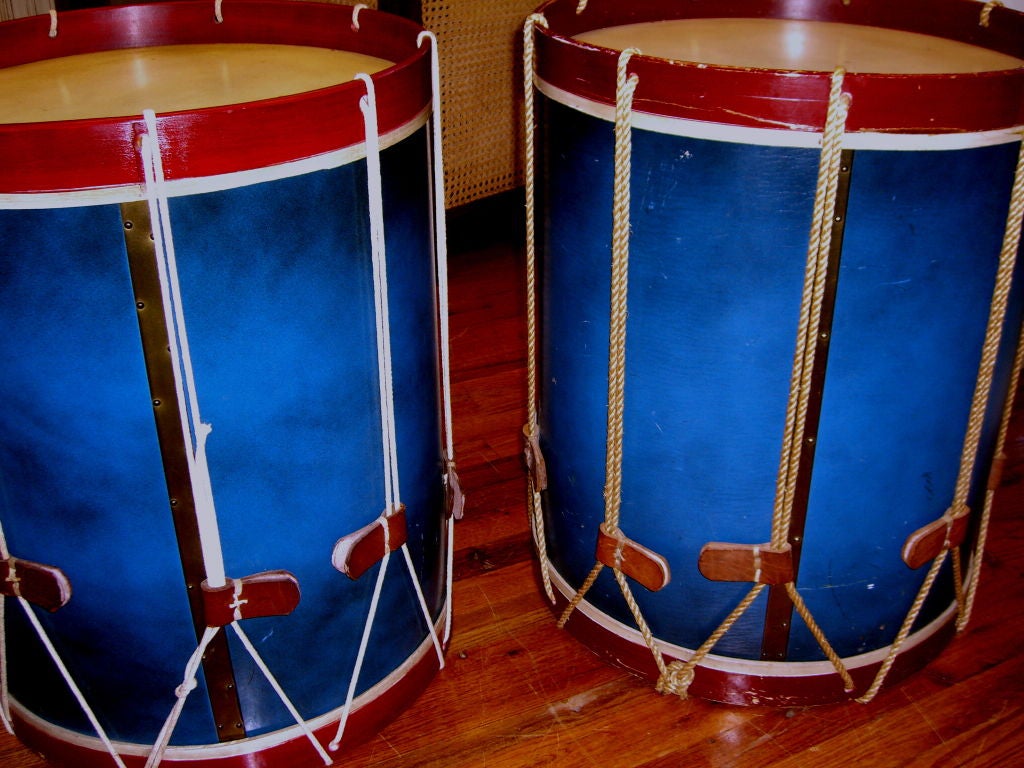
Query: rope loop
x=355, y=15
x=986, y=12
x=218, y=14
x=53, y=24
x=581, y=7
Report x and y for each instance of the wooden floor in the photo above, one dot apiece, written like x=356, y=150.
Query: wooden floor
x=519, y=692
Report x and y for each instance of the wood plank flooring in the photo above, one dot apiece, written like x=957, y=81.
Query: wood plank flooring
x=519, y=692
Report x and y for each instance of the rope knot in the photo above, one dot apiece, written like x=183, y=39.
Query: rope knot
x=185, y=688
x=676, y=679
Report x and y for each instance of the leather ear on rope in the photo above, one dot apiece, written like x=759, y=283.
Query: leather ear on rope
x=755, y=563
x=455, y=499
x=42, y=585
x=642, y=565
x=270, y=593
x=534, y=458
x=357, y=552
x=929, y=541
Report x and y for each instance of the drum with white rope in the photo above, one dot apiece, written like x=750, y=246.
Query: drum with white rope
x=222, y=295
x=777, y=305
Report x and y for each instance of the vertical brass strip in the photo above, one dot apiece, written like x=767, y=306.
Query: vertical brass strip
x=142, y=262
x=779, y=612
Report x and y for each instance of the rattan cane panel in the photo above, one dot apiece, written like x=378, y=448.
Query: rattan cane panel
x=481, y=48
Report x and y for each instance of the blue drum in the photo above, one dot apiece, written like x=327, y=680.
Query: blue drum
x=222, y=456
x=800, y=439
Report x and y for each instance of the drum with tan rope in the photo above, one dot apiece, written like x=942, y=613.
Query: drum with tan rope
x=225, y=481
x=774, y=305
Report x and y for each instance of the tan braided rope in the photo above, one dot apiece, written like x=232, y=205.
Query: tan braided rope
x=818, y=249
x=532, y=397
x=986, y=12
x=819, y=635
x=974, y=576
x=958, y=578
x=904, y=632
x=819, y=245
x=580, y=593
x=979, y=405
x=625, y=86
x=993, y=333
x=581, y=6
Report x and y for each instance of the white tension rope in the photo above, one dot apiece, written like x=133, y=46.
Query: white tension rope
x=441, y=270
x=392, y=493
x=195, y=433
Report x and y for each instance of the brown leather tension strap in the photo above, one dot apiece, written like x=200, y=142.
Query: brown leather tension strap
x=271, y=593
x=455, y=499
x=355, y=553
x=928, y=542
x=755, y=563
x=42, y=585
x=995, y=474
x=535, y=464
x=643, y=565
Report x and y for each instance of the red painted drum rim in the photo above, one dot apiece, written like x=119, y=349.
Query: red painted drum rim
x=790, y=99
x=99, y=153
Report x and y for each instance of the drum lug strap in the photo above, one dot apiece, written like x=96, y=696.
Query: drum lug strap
x=42, y=585
x=995, y=474
x=355, y=553
x=929, y=541
x=270, y=593
x=535, y=464
x=755, y=563
x=643, y=565
x=455, y=499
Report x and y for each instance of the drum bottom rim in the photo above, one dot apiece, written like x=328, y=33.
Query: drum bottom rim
x=749, y=682
x=371, y=711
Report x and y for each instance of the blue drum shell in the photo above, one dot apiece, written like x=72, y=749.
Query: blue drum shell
x=719, y=233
